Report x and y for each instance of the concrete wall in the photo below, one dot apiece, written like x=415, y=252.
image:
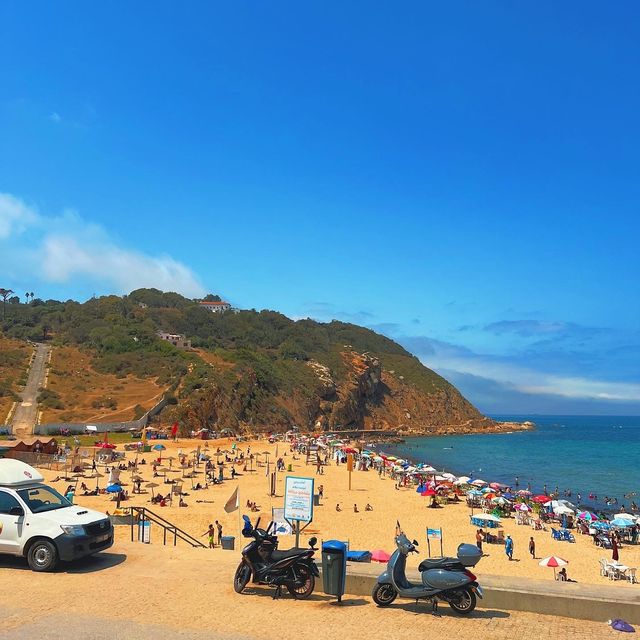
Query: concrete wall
x=570, y=600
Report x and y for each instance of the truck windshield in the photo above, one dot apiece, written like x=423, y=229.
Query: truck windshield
x=41, y=498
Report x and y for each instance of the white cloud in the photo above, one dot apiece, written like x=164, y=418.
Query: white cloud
x=69, y=249
x=55, y=117
x=15, y=216
x=443, y=356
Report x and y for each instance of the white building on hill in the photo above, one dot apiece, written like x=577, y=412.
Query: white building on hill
x=216, y=307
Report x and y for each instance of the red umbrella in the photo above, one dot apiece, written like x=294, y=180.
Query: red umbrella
x=106, y=445
x=428, y=492
x=380, y=556
x=349, y=450
x=541, y=499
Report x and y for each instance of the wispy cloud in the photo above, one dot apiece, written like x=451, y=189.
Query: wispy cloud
x=513, y=373
x=66, y=248
x=54, y=116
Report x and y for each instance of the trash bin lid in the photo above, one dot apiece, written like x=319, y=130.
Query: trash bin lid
x=335, y=545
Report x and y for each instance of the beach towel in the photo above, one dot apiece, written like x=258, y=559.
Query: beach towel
x=621, y=625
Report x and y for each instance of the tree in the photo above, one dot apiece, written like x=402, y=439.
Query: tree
x=5, y=293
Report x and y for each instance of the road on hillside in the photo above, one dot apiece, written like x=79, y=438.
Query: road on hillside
x=24, y=418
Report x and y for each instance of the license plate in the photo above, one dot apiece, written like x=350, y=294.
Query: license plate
x=478, y=590
x=102, y=538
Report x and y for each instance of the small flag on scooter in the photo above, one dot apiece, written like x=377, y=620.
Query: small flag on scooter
x=436, y=534
x=232, y=502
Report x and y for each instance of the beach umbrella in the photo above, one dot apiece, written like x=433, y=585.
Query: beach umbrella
x=380, y=556
x=114, y=488
x=563, y=510
x=428, y=492
x=553, y=561
x=524, y=493
x=621, y=522
x=428, y=469
x=463, y=479
x=587, y=515
x=541, y=499
x=152, y=486
x=508, y=496
x=604, y=526
x=520, y=506
x=496, y=485
x=487, y=490
x=500, y=500
x=159, y=447
x=625, y=516
x=478, y=483
x=474, y=492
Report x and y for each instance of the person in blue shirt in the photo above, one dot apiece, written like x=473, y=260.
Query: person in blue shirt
x=508, y=547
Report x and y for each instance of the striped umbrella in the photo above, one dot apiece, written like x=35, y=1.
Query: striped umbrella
x=553, y=561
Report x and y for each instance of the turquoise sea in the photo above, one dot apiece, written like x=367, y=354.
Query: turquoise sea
x=586, y=454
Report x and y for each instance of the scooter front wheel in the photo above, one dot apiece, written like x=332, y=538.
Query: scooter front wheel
x=242, y=577
x=384, y=594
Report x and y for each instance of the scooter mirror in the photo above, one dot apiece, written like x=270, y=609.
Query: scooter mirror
x=415, y=543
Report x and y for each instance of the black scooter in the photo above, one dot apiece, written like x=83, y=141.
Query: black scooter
x=262, y=563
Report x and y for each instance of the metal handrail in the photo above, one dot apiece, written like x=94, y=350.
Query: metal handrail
x=147, y=514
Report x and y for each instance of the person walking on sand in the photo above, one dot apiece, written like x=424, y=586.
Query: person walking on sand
x=508, y=547
x=532, y=547
x=219, y=527
x=479, y=539
x=211, y=532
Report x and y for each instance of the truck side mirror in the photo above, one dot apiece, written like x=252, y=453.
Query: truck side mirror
x=16, y=511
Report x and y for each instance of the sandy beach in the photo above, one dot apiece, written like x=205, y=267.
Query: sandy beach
x=366, y=530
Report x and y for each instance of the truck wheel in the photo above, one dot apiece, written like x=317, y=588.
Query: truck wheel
x=42, y=556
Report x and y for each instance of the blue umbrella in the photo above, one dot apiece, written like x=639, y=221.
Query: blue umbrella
x=114, y=488
x=605, y=526
x=621, y=522
x=159, y=447
x=508, y=496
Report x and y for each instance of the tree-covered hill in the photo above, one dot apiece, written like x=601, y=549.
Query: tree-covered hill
x=249, y=369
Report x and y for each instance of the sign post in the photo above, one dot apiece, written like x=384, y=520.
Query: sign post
x=349, y=467
x=298, y=503
x=435, y=534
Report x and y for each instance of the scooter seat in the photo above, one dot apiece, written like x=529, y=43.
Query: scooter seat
x=439, y=563
x=276, y=556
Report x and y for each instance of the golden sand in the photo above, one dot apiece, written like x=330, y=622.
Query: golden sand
x=366, y=530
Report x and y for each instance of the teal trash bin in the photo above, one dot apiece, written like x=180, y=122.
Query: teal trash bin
x=334, y=568
x=228, y=543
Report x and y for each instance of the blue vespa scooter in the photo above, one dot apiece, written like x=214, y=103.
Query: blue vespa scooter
x=446, y=579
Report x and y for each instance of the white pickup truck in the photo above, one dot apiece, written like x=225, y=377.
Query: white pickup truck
x=38, y=523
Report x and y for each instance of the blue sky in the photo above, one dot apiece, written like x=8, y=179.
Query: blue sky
x=462, y=176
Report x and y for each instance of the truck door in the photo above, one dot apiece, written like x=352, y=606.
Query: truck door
x=11, y=526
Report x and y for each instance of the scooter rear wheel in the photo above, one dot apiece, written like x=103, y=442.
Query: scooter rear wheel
x=384, y=594
x=242, y=577
x=464, y=602
x=305, y=586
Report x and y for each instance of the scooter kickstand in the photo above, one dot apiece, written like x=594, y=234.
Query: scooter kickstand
x=278, y=592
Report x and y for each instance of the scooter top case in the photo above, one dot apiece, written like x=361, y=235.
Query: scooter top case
x=441, y=579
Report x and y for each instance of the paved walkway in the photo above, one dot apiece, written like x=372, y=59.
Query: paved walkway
x=24, y=418
x=137, y=591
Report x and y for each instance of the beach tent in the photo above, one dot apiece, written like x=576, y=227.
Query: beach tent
x=487, y=517
x=380, y=556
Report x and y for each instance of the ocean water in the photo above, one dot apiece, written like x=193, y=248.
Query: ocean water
x=586, y=454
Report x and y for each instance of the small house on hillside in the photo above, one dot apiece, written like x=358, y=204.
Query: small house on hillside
x=176, y=339
x=216, y=307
